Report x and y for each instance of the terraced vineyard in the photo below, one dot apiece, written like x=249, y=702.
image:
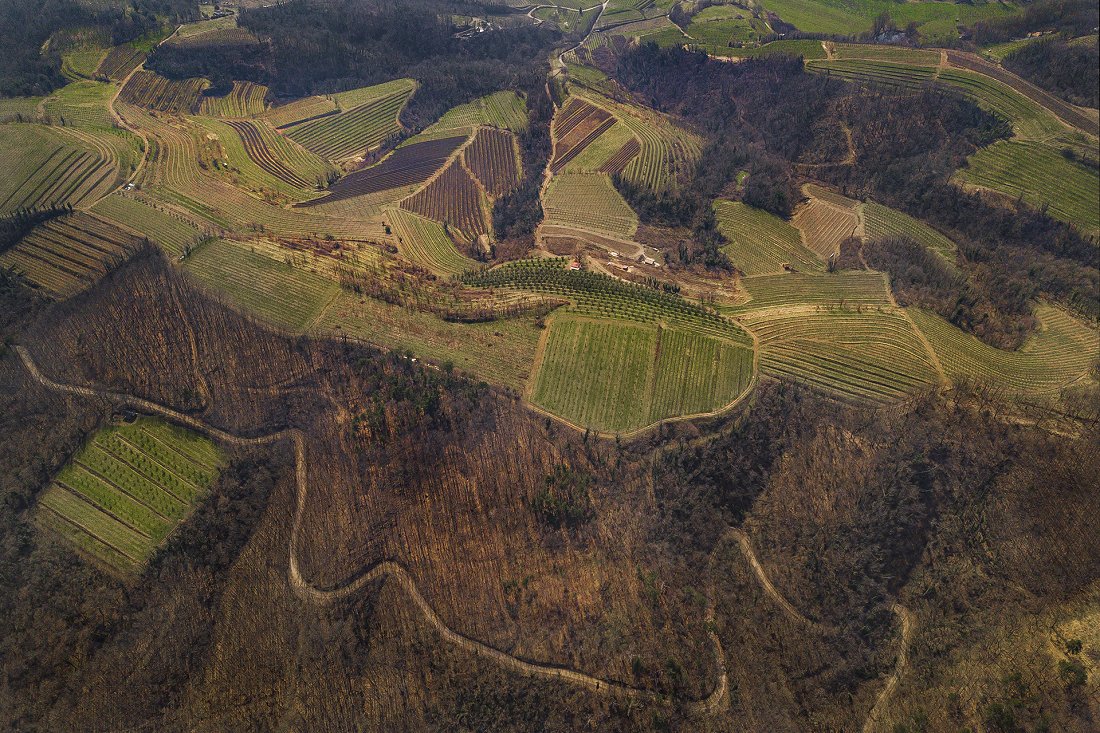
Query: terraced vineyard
x=68, y=254
x=286, y=162
x=600, y=296
x=894, y=54
x=354, y=130
x=505, y=110
x=125, y=491
x=666, y=152
x=598, y=155
x=406, y=166
x=47, y=167
x=454, y=200
x=761, y=243
x=1060, y=352
x=244, y=100
x=618, y=162
x=149, y=90
x=300, y=110
x=618, y=376
x=1042, y=177
x=874, y=355
x=882, y=221
x=825, y=221
x=169, y=232
x=494, y=161
x=426, y=243
x=119, y=62
x=872, y=71
x=284, y=295
x=588, y=201
x=824, y=291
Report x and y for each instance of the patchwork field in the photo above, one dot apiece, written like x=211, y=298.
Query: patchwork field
x=426, y=243
x=666, y=151
x=1042, y=176
x=575, y=127
x=882, y=221
x=125, y=491
x=493, y=159
x=761, y=243
x=588, y=201
x=69, y=253
x=409, y=165
x=284, y=295
x=616, y=376
x=454, y=200
x=279, y=157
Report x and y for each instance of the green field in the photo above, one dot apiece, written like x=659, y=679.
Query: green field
x=44, y=166
x=835, y=290
x=82, y=103
x=1061, y=351
x=936, y=21
x=600, y=296
x=617, y=376
x=869, y=354
x=761, y=243
x=125, y=491
x=286, y=296
x=506, y=110
x=500, y=352
x=882, y=221
x=588, y=201
x=367, y=117
x=425, y=242
x=1043, y=177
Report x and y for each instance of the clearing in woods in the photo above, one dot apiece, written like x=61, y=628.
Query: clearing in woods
x=618, y=376
x=125, y=491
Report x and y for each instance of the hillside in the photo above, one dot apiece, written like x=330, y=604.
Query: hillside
x=470, y=366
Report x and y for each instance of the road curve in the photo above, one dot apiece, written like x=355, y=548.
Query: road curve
x=707, y=706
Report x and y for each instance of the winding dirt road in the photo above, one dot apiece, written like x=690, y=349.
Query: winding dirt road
x=707, y=706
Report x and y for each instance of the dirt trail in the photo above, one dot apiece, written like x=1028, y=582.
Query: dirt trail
x=707, y=706
x=907, y=625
